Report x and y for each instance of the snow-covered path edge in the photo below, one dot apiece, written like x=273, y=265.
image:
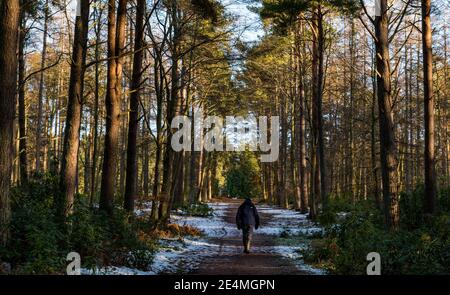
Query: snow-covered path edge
x=184, y=256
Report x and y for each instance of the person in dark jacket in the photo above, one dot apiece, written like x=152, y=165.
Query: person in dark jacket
x=247, y=218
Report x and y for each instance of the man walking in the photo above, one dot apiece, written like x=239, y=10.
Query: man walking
x=247, y=218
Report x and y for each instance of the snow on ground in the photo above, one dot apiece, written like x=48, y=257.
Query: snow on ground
x=213, y=226
x=184, y=255
x=287, y=221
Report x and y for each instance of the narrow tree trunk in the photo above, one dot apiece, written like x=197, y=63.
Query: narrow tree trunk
x=73, y=120
x=300, y=128
x=430, y=157
x=388, y=148
x=41, y=91
x=373, y=153
x=131, y=171
x=96, y=107
x=319, y=96
x=316, y=102
x=116, y=39
x=168, y=171
x=22, y=114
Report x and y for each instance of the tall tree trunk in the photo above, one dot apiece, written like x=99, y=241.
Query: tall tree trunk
x=131, y=171
x=41, y=90
x=158, y=70
x=319, y=96
x=316, y=112
x=116, y=39
x=146, y=162
x=282, y=198
x=22, y=113
x=73, y=120
x=98, y=14
x=168, y=171
x=373, y=153
x=300, y=126
x=9, y=25
x=388, y=148
x=430, y=157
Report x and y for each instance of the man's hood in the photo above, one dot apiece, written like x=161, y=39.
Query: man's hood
x=248, y=201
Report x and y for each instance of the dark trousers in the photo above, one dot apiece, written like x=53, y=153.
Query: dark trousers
x=247, y=232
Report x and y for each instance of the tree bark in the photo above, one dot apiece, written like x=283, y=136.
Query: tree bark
x=23, y=163
x=98, y=14
x=41, y=90
x=388, y=148
x=9, y=25
x=168, y=171
x=430, y=156
x=116, y=39
x=74, y=110
x=131, y=170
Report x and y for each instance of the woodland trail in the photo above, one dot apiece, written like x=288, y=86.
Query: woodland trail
x=259, y=262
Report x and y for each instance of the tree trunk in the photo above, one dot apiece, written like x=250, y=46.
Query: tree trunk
x=41, y=91
x=300, y=129
x=73, y=120
x=375, y=189
x=116, y=39
x=168, y=170
x=131, y=170
x=430, y=157
x=9, y=25
x=98, y=14
x=318, y=97
x=388, y=148
x=22, y=114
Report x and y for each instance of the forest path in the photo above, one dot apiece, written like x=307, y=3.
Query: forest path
x=232, y=261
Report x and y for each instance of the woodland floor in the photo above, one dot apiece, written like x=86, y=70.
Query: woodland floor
x=275, y=247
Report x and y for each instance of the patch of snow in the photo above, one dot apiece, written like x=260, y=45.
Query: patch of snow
x=115, y=271
x=145, y=208
x=292, y=252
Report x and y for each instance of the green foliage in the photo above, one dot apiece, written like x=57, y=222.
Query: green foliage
x=417, y=248
x=411, y=206
x=40, y=243
x=444, y=200
x=284, y=13
x=35, y=233
x=208, y=9
x=197, y=209
x=242, y=177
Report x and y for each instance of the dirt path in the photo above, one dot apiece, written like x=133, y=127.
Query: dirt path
x=234, y=262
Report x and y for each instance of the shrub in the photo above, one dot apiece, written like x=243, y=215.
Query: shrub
x=40, y=242
x=197, y=209
x=35, y=235
x=424, y=250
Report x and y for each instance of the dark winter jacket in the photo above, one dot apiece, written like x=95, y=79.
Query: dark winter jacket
x=247, y=215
